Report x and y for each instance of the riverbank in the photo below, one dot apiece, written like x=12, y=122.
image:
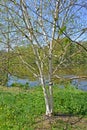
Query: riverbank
x=24, y=109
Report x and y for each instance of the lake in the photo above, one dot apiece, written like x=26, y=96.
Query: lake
x=78, y=83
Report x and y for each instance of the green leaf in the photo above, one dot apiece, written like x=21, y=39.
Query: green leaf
x=62, y=30
x=66, y=40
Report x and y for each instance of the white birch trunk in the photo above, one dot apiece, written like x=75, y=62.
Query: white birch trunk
x=38, y=59
x=50, y=57
x=46, y=97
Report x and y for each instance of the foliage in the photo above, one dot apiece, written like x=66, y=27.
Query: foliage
x=16, y=67
x=25, y=86
x=20, y=110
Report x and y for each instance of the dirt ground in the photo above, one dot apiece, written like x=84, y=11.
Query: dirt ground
x=61, y=122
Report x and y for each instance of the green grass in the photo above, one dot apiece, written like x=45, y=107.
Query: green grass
x=21, y=109
x=70, y=101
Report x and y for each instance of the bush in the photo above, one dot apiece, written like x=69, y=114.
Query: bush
x=25, y=86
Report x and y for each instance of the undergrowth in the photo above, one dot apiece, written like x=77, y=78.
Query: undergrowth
x=20, y=110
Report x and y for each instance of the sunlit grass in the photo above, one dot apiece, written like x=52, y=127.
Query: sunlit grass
x=21, y=109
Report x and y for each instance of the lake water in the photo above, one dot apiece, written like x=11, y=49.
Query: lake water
x=79, y=83
x=14, y=79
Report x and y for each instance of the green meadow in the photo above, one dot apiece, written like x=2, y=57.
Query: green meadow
x=22, y=109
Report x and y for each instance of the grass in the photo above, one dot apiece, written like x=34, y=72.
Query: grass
x=24, y=109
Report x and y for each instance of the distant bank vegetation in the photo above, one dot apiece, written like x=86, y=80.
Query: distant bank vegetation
x=72, y=56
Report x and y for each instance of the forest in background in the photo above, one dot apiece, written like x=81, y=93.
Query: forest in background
x=75, y=60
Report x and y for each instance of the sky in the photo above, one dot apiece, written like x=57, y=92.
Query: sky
x=33, y=5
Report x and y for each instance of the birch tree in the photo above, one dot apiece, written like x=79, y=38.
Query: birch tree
x=44, y=24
